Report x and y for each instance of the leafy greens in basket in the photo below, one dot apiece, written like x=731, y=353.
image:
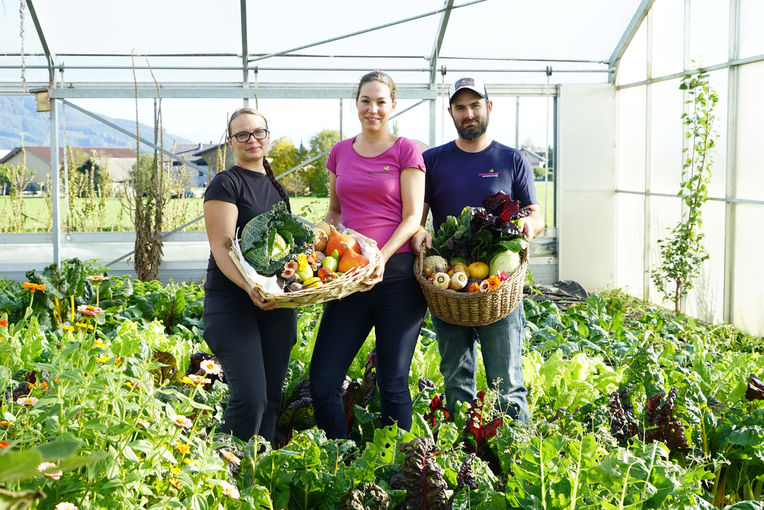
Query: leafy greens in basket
x=480, y=233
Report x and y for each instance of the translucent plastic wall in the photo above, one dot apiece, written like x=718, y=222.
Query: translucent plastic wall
x=723, y=37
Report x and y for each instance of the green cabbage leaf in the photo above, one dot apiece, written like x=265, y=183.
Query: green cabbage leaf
x=270, y=239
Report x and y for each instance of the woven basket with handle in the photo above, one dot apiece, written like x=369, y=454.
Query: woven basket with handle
x=473, y=308
x=348, y=283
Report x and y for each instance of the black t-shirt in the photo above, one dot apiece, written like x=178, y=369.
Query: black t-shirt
x=253, y=193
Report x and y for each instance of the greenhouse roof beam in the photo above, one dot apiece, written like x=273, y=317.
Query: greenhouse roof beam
x=442, y=25
x=360, y=32
x=244, y=49
x=627, y=36
x=264, y=90
x=43, y=42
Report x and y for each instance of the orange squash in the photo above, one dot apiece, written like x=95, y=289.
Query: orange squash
x=340, y=242
x=351, y=260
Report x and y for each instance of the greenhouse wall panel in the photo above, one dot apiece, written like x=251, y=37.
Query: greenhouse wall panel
x=632, y=66
x=748, y=295
x=586, y=181
x=663, y=214
x=750, y=133
x=706, y=300
x=751, y=35
x=630, y=142
x=629, y=235
x=709, y=32
x=665, y=137
x=719, y=82
x=666, y=45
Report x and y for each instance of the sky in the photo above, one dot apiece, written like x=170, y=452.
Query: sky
x=586, y=30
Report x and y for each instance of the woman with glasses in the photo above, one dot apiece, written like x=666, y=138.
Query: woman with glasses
x=250, y=338
x=376, y=187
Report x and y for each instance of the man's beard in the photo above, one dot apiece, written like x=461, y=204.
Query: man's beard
x=474, y=131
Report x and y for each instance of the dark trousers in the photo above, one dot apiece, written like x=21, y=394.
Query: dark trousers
x=253, y=348
x=396, y=311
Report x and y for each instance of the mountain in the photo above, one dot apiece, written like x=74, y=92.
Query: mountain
x=18, y=114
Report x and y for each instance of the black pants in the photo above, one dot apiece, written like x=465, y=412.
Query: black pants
x=253, y=347
x=395, y=308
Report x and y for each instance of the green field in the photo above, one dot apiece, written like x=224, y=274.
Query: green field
x=114, y=216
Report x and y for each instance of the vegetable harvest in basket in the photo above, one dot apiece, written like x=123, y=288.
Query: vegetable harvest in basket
x=279, y=243
x=480, y=249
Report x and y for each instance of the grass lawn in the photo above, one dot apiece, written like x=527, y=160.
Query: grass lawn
x=115, y=217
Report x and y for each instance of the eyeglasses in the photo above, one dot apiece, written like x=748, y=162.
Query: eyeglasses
x=244, y=136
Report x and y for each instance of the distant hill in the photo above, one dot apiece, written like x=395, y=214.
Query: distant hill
x=18, y=114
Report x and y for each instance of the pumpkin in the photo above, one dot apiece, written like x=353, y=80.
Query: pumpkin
x=341, y=242
x=351, y=260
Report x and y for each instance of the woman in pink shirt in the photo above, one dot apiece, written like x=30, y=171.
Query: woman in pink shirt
x=376, y=187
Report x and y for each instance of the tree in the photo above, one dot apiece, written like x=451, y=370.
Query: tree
x=317, y=177
x=683, y=251
x=283, y=156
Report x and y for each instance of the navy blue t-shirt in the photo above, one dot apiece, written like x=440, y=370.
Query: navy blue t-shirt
x=253, y=193
x=455, y=178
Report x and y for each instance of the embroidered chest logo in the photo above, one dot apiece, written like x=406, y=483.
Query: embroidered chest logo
x=386, y=171
x=489, y=173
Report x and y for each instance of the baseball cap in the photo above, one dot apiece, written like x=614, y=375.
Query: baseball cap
x=467, y=82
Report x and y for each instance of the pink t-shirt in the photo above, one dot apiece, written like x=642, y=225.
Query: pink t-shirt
x=369, y=189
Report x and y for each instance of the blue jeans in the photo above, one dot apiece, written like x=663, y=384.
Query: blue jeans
x=501, y=344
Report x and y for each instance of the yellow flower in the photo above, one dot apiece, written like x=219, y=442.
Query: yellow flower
x=183, y=448
x=175, y=470
x=97, y=343
x=82, y=325
x=175, y=483
x=103, y=359
x=229, y=489
x=66, y=327
x=45, y=468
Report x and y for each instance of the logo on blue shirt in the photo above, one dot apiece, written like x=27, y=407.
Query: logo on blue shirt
x=489, y=173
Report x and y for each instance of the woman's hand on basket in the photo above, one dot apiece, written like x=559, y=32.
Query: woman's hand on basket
x=422, y=239
x=257, y=299
x=374, y=278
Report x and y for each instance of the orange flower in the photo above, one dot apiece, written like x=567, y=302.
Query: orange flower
x=5, y=424
x=4, y=323
x=494, y=282
x=4, y=444
x=32, y=287
x=475, y=287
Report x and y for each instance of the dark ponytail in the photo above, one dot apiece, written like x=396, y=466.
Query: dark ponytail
x=279, y=187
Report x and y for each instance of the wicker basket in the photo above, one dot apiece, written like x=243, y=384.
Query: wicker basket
x=346, y=284
x=473, y=308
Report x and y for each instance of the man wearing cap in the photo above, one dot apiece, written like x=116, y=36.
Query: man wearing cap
x=462, y=173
